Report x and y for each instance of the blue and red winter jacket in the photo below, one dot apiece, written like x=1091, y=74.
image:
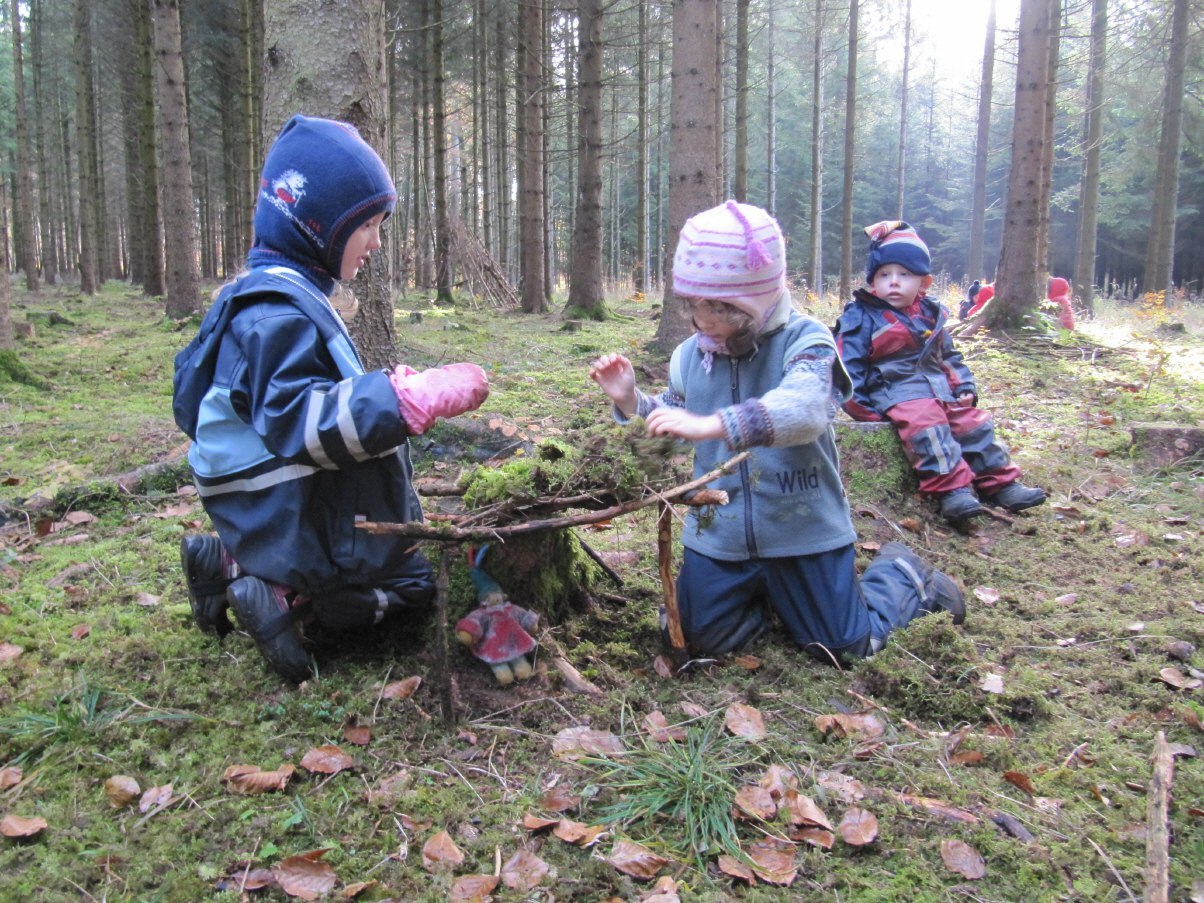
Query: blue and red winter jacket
x=894, y=355
x=293, y=442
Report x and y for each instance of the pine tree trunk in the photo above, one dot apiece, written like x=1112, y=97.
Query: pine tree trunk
x=85, y=137
x=1160, y=253
x=982, y=144
x=1019, y=285
x=815, y=255
x=694, y=139
x=642, y=281
x=771, y=118
x=154, y=278
x=530, y=155
x=740, y=166
x=1093, y=133
x=45, y=162
x=501, y=141
x=585, y=285
x=443, y=264
x=1046, y=182
x=900, y=173
x=850, y=148
x=179, y=234
x=27, y=220
x=327, y=58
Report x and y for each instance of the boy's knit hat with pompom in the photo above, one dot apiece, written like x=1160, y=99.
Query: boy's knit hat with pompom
x=321, y=181
x=894, y=241
x=733, y=253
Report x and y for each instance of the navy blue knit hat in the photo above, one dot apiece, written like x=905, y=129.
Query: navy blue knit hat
x=321, y=181
x=894, y=241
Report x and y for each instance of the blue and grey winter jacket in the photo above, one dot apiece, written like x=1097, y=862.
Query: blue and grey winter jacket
x=294, y=442
x=893, y=356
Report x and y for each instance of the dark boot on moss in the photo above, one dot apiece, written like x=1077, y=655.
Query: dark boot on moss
x=1015, y=496
x=264, y=611
x=959, y=505
x=208, y=571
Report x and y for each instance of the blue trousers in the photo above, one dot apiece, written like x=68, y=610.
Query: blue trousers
x=725, y=605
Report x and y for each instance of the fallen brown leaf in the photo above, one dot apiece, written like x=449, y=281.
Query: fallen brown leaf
x=18, y=826
x=657, y=726
x=524, y=871
x=1021, y=780
x=962, y=859
x=861, y=727
x=327, y=759
x=10, y=652
x=578, y=833
x=802, y=810
x=756, y=802
x=858, y=827
x=252, y=779
x=664, y=891
x=575, y=742
x=734, y=868
x=473, y=888
x=441, y=852
x=121, y=790
x=155, y=798
x=401, y=689
x=773, y=862
x=536, y=823
x=558, y=799
x=10, y=776
x=635, y=860
x=304, y=876
x=744, y=721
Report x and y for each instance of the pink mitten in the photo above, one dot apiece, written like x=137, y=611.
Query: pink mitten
x=439, y=392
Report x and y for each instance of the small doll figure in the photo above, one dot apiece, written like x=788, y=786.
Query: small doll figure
x=496, y=631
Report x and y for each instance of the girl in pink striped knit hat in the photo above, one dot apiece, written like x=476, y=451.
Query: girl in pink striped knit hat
x=757, y=375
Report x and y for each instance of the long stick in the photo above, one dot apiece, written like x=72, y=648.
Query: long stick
x=1157, y=856
x=449, y=533
x=664, y=561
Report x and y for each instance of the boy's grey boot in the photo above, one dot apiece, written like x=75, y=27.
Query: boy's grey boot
x=1015, y=496
x=264, y=613
x=208, y=571
x=959, y=505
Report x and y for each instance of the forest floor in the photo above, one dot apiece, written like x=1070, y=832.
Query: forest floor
x=1019, y=757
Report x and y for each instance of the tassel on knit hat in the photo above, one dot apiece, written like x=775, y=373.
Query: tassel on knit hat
x=733, y=253
x=894, y=241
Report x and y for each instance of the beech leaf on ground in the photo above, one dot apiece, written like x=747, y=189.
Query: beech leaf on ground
x=658, y=728
x=252, y=779
x=401, y=689
x=441, y=852
x=635, y=860
x=744, y=721
x=735, y=868
x=963, y=859
x=155, y=798
x=473, y=888
x=524, y=871
x=10, y=652
x=664, y=891
x=10, y=776
x=754, y=801
x=578, y=833
x=305, y=876
x=327, y=759
x=558, y=799
x=19, y=826
x=773, y=862
x=854, y=726
x=121, y=790
x=802, y=810
x=858, y=827
x=1021, y=780
x=575, y=742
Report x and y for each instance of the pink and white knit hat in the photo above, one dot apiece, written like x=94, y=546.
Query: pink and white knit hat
x=733, y=253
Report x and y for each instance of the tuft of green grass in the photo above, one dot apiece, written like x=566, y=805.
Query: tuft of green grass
x=678, y=796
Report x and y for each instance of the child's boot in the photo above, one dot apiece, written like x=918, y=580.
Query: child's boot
x=264, y=611
x=938, y=591
x=1015, y=496
x=959, y=505
x=208, y=571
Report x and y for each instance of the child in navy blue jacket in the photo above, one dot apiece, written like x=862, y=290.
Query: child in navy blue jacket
x=757, y=375
x=293, y=442
x=905, y=369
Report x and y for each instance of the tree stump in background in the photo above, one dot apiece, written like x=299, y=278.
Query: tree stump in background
x=1166, y=444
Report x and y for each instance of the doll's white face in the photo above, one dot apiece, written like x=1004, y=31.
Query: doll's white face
x=360, y=245
x=897, y=285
